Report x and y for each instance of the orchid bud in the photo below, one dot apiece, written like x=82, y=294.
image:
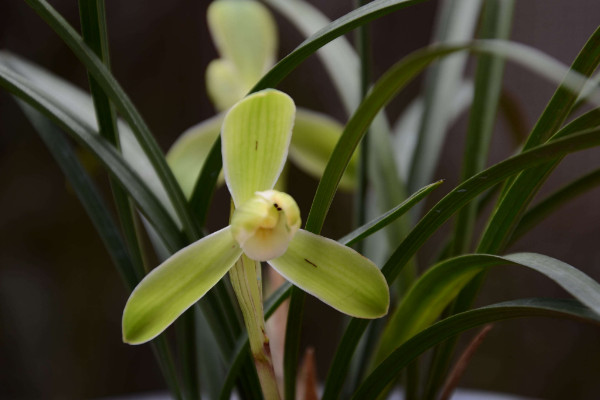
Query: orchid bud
x=265, y=224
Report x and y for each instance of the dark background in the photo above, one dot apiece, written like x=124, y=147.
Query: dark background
x=61, y=299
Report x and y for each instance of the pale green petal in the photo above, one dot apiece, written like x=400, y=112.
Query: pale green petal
x=335, y=274
x=315, y=136
x=175, y=285
x=224, y=84
x=187, y=155
x=255, y=139
x=245, y=34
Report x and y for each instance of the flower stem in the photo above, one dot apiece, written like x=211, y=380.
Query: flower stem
x=246, y=281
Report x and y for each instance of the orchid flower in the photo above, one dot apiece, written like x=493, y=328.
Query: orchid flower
x=265, y=226
x=245, y=35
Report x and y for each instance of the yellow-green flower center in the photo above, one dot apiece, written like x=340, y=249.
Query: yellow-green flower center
x=265, y=224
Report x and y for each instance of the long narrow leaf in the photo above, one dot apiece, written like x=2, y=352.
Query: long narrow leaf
x=113, y=90
x=506, y=215
x=439, y=214
x=105, y=152
x=387, y=218
x=406, y=128
x=455, y=24
x=78, y=103
x=434, y=291
x=496, y=23
x=449, y=327
x=339, y=58
x=98, y=212
x=550, y=204
x=382, y=91
x=497, y=17
x=86, y=192
x=518, y=195
x=396, y=78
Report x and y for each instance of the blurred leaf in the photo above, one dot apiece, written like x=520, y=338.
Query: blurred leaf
x=456, y=23
x=106, y=153
x=435, y=289
x=396, y=78
x=86, y=192
x=101, y=218
x=496, y=23
x=436, y=217
x=514, y=115
x=388, y=370
x=123, y=104
x=338, y=57
x=335, y=29
x=80, y=104
x=385, y=219
x=550, y=204
x=591, y=85
x=406, y=128
x=506, y=215
x=519, y=193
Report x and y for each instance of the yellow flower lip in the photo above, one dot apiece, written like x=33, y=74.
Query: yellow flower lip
x=265, y=224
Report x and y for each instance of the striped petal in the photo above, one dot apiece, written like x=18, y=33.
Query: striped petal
x=255, y=139
x=335, y=274
x=175, y=285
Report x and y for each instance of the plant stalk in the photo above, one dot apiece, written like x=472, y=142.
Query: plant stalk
x=246, y=281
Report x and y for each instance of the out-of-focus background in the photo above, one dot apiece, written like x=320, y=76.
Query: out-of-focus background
x=61, y=299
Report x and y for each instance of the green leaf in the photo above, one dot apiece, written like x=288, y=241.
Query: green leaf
x=395, y=79
x=339, y=58
x=255, y=136
x=315, y=135
x=406, y=128
x=440, y=213
x=246, y=37
x=387, y=218
x=434, y=291
x=337, y=28
x=335, y=274
x=175, y=285
x=86, y=192
x=106, y=153
x=123, y=104
x=457, y=20
x=449, y=327
x=523, y=188
x=94, y=31
x=546, y=207
x=496, y=23
x=77, y=103
x=398, y=76
x=519, y=193
x=206, y=182
x=188, y=154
